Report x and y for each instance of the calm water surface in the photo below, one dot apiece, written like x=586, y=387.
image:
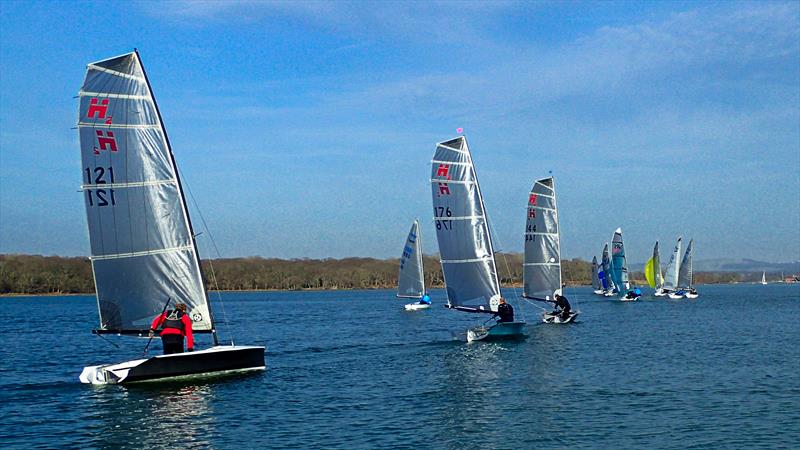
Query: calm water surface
x=354, y=370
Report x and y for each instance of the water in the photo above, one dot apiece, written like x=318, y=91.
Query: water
x=353, y=370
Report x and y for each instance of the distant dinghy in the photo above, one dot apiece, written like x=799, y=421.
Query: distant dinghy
x=671, y=274
x=685, y=274
x=143, y=251
x=764, y=277
x=652, y=271
x=619, y=269
x=605, y=276
x=597, y=284
x=411, y=279
x=465, y=244
x=541, y=274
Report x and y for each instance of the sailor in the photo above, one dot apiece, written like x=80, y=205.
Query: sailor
x=425, y=300
x=505, y=312
x=637, y=291
x=174, y=325
x=562, y=306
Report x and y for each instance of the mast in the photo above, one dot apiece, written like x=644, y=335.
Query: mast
x=182, y=197
x=419, y=257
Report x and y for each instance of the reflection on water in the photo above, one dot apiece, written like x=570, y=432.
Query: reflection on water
x=151, y=415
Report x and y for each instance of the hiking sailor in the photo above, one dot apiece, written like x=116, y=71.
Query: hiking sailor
x=505, y=312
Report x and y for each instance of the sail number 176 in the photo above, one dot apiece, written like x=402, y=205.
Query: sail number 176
x=439, y=213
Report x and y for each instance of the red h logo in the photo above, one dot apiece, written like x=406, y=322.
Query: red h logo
x=107, y=142
x=443, y=171
x=99, y=110
x=532, y=199
x=444, y=189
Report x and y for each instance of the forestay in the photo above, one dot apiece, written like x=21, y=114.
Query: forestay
x=465, y=246
x=685, y=271
x=608, y=281
x=142, y=247
x=542, y=266
x=619, y=269
x=671, y=274
x=411, y=281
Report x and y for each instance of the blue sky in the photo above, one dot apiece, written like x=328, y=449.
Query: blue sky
x=305, y=129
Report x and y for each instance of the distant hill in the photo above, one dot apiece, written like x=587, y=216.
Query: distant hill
x=735, y=265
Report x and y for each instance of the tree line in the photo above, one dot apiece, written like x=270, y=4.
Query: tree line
x=33, y=274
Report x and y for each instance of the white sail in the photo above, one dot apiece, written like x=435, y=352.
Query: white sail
x=465, y=245
x=671, y=274
x=763, y=277
x=685, y=272
x=608, y=280
x=596, y=285
x=411, y=280
x=142, y=246
x=542, y=267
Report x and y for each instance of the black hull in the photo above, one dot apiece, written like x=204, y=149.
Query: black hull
x=197, y=363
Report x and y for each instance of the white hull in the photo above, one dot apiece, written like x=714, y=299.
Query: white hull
x=214, y=361
x=690, y=295
x=625, y=299
x=609, y=294
x=599, y=292
x=660, y=293
x=416, y=306
x=675, y=296
x=556, y=318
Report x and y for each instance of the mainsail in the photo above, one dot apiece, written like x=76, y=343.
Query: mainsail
x=685, y=271
x=465, y=245
x=542, y=267
x=652, y=270
x=619, y=267
x=411, y=281
x=608, y=281
x=596, y=285
x=142, y=246
x=671, y=274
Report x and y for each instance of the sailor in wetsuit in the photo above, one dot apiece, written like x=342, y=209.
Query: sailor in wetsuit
x=562, y=306
x=174, y=325
x=505, y=312
x=425, y=300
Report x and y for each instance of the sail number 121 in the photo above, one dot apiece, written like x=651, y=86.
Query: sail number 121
x=100, y=197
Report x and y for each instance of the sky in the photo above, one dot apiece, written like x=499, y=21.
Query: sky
x=306, y=129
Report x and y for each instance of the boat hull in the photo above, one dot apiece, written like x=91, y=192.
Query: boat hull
x=556, y=318
x=675, y=295
x=690, y=295
x=660, y=293
x=498, y=331
x=416, y=306
x=209, y=362
x=599, y=292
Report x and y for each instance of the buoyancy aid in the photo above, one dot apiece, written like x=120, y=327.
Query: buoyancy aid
x=173, y=320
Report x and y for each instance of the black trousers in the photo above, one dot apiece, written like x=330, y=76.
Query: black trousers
x=173, y=343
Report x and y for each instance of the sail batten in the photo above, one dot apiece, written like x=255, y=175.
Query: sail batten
x=142, y=245
x=542, y=266
x=465, y=246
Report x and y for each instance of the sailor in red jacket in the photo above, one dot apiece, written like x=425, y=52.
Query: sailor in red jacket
x=174, y=325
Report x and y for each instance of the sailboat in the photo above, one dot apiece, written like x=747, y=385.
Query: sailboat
x=652, y=271
x=465, y=244
x=619, y=269
x=685, y=275
x=541, y=273
x=597, y=285
x=606, y=278
x=411, y=280
x=763, y=277
x=143, y=252
x=671, y=274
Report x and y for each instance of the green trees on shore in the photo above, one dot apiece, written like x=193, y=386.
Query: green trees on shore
x=33, y=274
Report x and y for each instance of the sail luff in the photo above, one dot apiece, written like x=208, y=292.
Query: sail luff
x=182, y=196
